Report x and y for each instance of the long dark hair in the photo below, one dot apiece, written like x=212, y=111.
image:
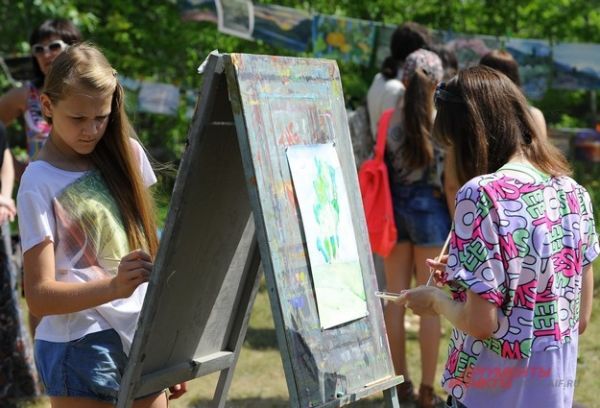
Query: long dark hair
x=60, y=27
x=407, y=38
x=504, y=62
x=486, y=120
x=417, y=116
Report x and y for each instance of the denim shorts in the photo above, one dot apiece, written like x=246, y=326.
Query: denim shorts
x=421, y=214
x=89, y=367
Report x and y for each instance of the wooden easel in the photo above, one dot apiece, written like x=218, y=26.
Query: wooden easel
x=232, y=210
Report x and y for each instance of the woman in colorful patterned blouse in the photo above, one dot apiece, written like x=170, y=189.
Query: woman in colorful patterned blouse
x=519, y=266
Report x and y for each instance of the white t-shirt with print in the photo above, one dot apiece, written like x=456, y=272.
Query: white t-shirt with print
x=76, y=211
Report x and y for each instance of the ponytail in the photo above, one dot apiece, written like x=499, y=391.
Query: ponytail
x=389, y=68
x=417, y=113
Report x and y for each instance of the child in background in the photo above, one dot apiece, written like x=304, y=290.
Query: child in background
x=88, y=234
x=504, y=62
x=521, y=252
x=416, y=167
x=387, y=89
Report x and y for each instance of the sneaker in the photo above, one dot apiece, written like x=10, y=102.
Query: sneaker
x=428, y=399
x=406, y=392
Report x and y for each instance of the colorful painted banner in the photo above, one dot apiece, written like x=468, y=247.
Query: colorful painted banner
x=563, y=66
x=468, y=48
x=282, y=26
x=345, y=39
x=198, y=10
x=576, y=66
x=535, y=64
x=384, y=38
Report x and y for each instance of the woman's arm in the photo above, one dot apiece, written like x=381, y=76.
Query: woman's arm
x=47, y=296
x=540, y=121
x=7, y=175
x=587, y=296
x=12, y=105
x=477, y=317
x=7, y=180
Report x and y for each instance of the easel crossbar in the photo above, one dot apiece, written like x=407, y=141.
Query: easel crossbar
x=181, y=372
x=378, y=386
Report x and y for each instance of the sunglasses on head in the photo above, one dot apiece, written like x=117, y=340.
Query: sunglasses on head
x=442, y=95
x=54, y=46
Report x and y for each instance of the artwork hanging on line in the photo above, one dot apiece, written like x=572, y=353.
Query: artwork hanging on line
x=329, y=232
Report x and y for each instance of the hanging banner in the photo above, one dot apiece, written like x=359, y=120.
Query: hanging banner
x=563, y=66
x=158, y=98
x=468, y=48
x=576, y=66
x=198, y=10
x=345, y=39
x=535, y=64
x=236, y=17
x=282, y=26
x=384, y=38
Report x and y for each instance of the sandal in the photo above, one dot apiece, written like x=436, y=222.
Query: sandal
x=406, y=392
x=428, y=399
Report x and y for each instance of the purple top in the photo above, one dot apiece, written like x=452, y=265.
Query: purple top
x=36, y=127
x=521, y=243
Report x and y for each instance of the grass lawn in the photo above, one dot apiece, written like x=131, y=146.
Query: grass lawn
x=259, y=378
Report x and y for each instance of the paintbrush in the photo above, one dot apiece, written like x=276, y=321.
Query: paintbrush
x=432, y=270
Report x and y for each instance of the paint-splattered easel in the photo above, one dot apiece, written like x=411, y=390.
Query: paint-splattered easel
x=233, y=208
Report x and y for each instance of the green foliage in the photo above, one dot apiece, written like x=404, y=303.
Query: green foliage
x=567, y=121
x=565, y=109
x=147, y=40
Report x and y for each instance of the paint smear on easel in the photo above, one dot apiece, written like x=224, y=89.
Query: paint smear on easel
x=327, y=224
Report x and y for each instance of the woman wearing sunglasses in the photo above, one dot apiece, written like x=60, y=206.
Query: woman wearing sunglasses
x=47, y=42
x=519, y=266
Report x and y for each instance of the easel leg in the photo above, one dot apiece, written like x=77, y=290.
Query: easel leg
x=238, y=333
x=390, y=397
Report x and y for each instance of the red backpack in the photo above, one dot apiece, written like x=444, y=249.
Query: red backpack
x=376, y=194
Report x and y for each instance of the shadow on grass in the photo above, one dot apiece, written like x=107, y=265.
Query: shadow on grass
x=261, y=339
x=275, y=403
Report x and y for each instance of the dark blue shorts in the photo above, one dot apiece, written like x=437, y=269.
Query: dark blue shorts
x=421, y=215
x=89, y=367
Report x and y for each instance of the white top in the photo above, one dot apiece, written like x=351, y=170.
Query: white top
x=76, y=211
x=383, y=94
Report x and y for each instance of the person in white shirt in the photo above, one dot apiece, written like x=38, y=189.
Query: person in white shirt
x=387, y=89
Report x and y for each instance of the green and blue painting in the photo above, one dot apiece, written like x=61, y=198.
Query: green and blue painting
x=329, y=233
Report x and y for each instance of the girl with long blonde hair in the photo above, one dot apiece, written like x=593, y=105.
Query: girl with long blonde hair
x=88, y=234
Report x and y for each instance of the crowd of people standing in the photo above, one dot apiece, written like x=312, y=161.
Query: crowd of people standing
x=466, y=156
